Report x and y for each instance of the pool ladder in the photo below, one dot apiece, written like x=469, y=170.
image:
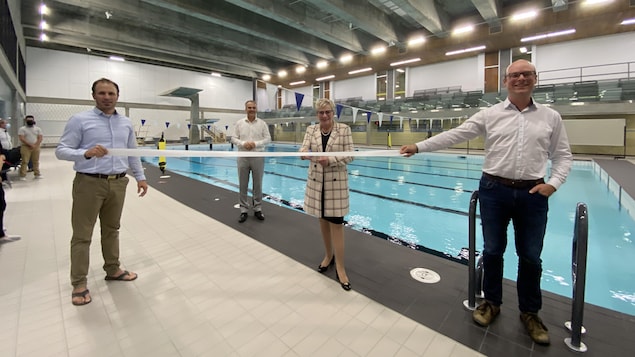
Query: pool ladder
x=578, y=272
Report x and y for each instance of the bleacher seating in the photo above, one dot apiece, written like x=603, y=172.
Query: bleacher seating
x=457, y=99
x=473, y=99
x=544, y=93
x=628, y=88
x=489, y=99
x=563, y=93
x=587, y=91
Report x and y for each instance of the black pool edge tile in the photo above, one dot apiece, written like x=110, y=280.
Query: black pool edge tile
x=294, y=226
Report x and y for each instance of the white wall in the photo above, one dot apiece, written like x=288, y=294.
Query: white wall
x=467, y=73
x=57, y=74
x=618, y=48
x=365, y=87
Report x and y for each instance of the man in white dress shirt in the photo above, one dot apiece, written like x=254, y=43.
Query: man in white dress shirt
x=521, y=136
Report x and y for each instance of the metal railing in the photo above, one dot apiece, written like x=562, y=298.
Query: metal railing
x=578, y=272
x=473, y=280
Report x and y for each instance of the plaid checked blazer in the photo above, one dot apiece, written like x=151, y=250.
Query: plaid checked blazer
x=332, y=181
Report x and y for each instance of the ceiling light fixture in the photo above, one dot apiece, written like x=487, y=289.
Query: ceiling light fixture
x=523, y=50
x=416, y=41
x=282, y=74
x=346, y=58
x=300, y=69
x=216, y=74
x=325, y=78
x=322, y=64
x=405, y=61
x=296, y=83
x=548, y=35
x=378, y=50
x=462, y=30
x=628, y=21
x=117, y=58
x=43, y=10
x=43, y=25
x=43, y=37
x=266, y=77
x=471, y=49
x=524, y=15
x=108, y=15
x=367, y=69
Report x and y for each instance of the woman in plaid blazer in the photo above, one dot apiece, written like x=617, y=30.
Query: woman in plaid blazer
x=326, y=195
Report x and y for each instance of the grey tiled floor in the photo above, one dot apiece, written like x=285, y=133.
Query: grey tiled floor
x=204, y=289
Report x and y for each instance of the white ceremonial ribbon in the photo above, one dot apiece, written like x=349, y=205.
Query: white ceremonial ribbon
x=195, y=153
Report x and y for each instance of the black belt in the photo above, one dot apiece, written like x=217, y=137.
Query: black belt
x=102, y=176
x=514, y=183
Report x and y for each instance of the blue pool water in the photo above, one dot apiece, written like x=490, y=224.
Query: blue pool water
x=423, y=201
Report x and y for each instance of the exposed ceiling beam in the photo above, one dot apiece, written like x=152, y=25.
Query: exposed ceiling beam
x=559, y=5
x=426, y=13
x=490, y=10
x=250, y=23
x=302, y=18
x=362, y=16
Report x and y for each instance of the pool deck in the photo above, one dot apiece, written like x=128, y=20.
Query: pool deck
x=622, y=171
x=380, y=270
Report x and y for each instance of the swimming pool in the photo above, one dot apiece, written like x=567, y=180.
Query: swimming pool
x=422, y=202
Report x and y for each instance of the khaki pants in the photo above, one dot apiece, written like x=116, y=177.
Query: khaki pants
x=32, y=155
x=95, y=197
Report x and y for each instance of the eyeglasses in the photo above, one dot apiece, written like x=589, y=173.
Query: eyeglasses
x=516, y=75
x=327, y=112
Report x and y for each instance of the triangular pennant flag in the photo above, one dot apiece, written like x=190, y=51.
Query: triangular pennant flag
x=368, y=114
x=167, y=124
x=400, y=122
x=381, y=116
x=338, y=110
x=226, y=127
x=143, y=121
x=355, y=110
x=417, y=122
x=189, y=126
x=391, y=119
x=208, y=127
x=298, y=100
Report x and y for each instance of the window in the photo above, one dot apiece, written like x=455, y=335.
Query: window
x=382, y=85
x=400, y=83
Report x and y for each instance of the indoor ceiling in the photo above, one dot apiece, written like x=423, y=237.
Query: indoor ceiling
x=250, y=38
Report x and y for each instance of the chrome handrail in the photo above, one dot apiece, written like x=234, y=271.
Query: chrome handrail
x=470, y=303
x=578, y=272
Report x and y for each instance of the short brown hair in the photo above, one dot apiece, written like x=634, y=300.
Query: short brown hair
x=104, y=80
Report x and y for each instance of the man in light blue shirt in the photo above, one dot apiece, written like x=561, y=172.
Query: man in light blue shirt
x=99, y=187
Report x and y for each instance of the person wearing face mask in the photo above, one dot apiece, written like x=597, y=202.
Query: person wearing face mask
x=31, y=138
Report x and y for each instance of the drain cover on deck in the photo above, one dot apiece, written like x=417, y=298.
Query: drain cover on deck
x=425, y=275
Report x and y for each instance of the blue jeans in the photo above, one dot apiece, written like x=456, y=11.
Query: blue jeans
x=499, y=205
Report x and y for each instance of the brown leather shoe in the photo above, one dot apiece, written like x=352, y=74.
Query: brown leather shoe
x=485, y=313
x=535, y=328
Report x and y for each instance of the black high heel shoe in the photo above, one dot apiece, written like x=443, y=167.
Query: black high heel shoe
x=322, y=269
x=345, y=286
